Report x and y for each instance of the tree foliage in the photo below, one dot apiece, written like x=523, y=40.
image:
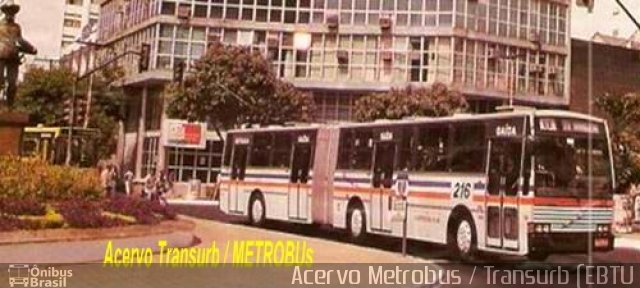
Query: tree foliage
x=624, y=120
x=43, y=92
x=233, y=85
x=434, y=101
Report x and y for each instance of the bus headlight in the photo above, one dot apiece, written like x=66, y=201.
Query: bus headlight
x=603, y=228
x=539, y=228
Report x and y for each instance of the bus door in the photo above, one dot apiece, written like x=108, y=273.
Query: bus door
x=502, y=205
x=381, y=198
x=299, y=179
x=238, y=168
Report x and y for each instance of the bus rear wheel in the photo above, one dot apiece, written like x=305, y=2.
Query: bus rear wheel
x=462, y=239
x=256, y=211
x=356, y=223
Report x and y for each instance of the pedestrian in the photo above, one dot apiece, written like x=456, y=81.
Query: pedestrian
x=637, y=208
x=104, y=179
x=128, y=182
x=149, y=185
x=113, y=180
x=160, y=185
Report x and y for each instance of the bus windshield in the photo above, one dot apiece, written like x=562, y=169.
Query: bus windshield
x=561, y=165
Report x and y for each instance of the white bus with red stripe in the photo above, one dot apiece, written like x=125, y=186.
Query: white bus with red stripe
x=519, y=182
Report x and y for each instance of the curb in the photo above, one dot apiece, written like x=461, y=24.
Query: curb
x=625, y=242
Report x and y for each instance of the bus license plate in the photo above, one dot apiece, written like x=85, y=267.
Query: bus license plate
x=602, y=242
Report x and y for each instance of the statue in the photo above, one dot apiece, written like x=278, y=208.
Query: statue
x=11, y=46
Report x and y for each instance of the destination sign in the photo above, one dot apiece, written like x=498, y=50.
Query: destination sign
x=569, y=125
x=386, y=136
x=241, y=141
x=578, y=126
x=304, y=139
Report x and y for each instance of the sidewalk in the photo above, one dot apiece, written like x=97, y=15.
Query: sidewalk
x=628, y=240
x=196, y=202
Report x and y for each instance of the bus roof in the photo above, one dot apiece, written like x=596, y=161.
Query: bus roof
x=416, y=120
x=277, y=128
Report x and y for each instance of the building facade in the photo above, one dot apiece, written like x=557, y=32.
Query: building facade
x=622, y=54
x=339, y=50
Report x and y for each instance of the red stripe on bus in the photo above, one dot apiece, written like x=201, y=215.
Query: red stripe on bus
x=559, y=201
x=264, y=184
x=489, y=199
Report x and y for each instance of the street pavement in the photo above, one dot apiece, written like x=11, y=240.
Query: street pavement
x=330, y=247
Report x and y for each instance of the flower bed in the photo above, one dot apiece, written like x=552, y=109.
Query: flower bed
x=35, y=195
x=36, y=180
x=83, y=213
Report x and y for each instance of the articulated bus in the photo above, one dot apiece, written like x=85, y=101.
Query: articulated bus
x=518, y=182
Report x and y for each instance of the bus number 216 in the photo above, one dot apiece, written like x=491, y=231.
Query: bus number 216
x=462, y=190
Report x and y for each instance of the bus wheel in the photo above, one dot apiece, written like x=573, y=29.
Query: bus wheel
x=462, y=239
x=356, y=222
x=256, y=210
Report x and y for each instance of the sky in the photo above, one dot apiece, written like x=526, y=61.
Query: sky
x=607, y=18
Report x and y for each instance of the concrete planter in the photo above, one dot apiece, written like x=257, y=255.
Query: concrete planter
x=11, y=126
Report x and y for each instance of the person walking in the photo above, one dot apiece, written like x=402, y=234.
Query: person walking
x=113, y=180
x=128, y=182
x=637, y=208
x=149, y=185
x=104, y=180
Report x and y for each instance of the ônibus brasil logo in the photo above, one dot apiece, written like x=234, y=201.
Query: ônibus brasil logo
x=23, y=275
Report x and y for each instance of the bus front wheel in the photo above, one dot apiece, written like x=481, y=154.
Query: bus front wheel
x=462, y=239
x=256, y=210
x=356, y=222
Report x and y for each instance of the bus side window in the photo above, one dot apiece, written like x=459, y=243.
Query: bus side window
x=469, y=148
x=362, y=149
x=432, y=149
x=261, y=150
x=282, y=150
x=405, y=149
x=345, y=150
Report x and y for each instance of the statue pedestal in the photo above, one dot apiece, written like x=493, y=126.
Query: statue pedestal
x=11, y=126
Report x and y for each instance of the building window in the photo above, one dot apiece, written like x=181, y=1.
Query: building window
x=74, y=2
x=149, y=155
x=188, y=164
x=72, y=23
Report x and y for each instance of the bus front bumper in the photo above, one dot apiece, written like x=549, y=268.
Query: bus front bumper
x=557, y=243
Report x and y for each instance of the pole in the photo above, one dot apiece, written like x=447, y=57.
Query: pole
x=510, y=78
x=404, y=228
x=72, y=118
x=89, y=101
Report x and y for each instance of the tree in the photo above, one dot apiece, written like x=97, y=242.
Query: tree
x=43, y=92
x=434, y=101
x=624, y=120
x=233, y=85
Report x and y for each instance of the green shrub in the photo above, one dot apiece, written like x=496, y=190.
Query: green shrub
x=35, y=179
